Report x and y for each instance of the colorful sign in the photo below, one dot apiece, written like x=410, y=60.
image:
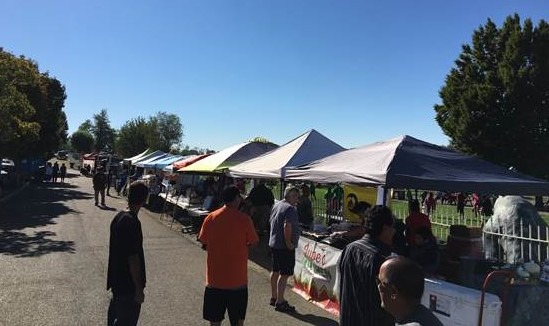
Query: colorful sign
x=355, y=194
x=315, y=273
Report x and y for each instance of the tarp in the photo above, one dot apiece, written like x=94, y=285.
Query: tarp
x=188, y=161
x=146, y=162
x=160, y=162
x=89, y=156
x=308, y=147
x=406, y=162
x=148, y=157
x=136, y=157
x=218, y=162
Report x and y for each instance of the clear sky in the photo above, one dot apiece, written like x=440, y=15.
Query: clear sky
x=356, y=71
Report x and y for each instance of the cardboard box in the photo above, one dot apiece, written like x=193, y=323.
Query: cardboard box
x=460, y=306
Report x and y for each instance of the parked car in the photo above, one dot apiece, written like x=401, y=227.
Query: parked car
x=62, y=155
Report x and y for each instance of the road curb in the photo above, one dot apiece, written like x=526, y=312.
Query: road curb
x=14, y=193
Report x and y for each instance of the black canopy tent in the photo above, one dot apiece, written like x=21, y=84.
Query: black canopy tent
x=407, y=162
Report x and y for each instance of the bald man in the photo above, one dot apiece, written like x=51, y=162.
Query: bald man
x=400, y=284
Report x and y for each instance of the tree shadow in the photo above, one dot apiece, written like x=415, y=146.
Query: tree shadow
x=36, y=206
x=22, y=245
x=313, y=319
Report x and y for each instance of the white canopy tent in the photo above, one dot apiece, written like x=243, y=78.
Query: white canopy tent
x=136, y=157
x=220, y=161
x=307, y=147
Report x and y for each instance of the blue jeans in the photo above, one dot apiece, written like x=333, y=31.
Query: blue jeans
x=123, y=311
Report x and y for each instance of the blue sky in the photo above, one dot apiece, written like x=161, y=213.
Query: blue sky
x=356, y=71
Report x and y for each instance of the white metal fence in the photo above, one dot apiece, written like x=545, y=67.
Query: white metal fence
x=518, y=243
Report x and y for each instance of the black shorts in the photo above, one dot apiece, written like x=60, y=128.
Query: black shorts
x=283, y=261
x=217, y=301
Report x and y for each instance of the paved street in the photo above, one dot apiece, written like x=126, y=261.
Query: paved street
x=53, y=254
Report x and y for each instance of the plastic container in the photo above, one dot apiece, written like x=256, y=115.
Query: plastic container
x=460, y=306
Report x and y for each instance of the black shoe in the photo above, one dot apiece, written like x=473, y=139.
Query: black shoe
x=284, y=307
x=272, y=302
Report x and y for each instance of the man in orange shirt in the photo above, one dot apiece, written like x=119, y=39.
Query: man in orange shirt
x=226, y=235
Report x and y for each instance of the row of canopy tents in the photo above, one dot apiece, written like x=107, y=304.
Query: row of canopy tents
x=402, y=162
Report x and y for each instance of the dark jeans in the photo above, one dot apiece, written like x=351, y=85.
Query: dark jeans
x=97, y=193
x=123, y=311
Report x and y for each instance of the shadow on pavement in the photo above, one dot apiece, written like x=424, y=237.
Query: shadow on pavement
x=313, y=320
x=261, y=254
x=23, y=245
x=107, y=208
x=37, y=206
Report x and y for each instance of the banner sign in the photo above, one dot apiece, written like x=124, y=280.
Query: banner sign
x=353, y=195
x=315, y=273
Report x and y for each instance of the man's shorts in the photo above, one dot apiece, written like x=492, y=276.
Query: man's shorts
x=217, y=301
x=283, y=261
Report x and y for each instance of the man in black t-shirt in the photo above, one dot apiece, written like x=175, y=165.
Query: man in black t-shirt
x=99, y=181
x=126, y=276
x=262, y=200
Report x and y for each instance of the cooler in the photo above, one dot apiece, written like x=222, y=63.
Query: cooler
x=457, y=305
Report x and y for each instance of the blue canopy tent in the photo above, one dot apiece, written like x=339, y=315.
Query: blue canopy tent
x=149, y=163
x=161, y=162
x=149, y=156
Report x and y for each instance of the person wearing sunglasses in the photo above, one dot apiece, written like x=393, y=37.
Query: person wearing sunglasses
x=400, y=284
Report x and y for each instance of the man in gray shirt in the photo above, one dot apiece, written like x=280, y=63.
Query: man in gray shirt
x=283, y=238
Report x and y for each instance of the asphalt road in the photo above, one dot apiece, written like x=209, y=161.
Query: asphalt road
x=53, y=254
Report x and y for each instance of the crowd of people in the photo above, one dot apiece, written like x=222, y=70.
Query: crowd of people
x=55, y=173
x=376, y=286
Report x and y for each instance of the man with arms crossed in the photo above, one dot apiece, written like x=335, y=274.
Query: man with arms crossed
x=126, y=272
x=284, y=235
x=226, y=235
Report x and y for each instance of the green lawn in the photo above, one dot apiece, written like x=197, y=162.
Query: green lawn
x=446, y=214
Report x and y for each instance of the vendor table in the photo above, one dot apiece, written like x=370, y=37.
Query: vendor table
x=316, y=279
x=193, y=212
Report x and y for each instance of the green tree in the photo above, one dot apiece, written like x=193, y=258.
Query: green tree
x=86, y=126
x=495, y=102
x=31, y=106
x=102, y=131
x=165, y=131
x=132, y=137
x=49, y=113
x=82, y=141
